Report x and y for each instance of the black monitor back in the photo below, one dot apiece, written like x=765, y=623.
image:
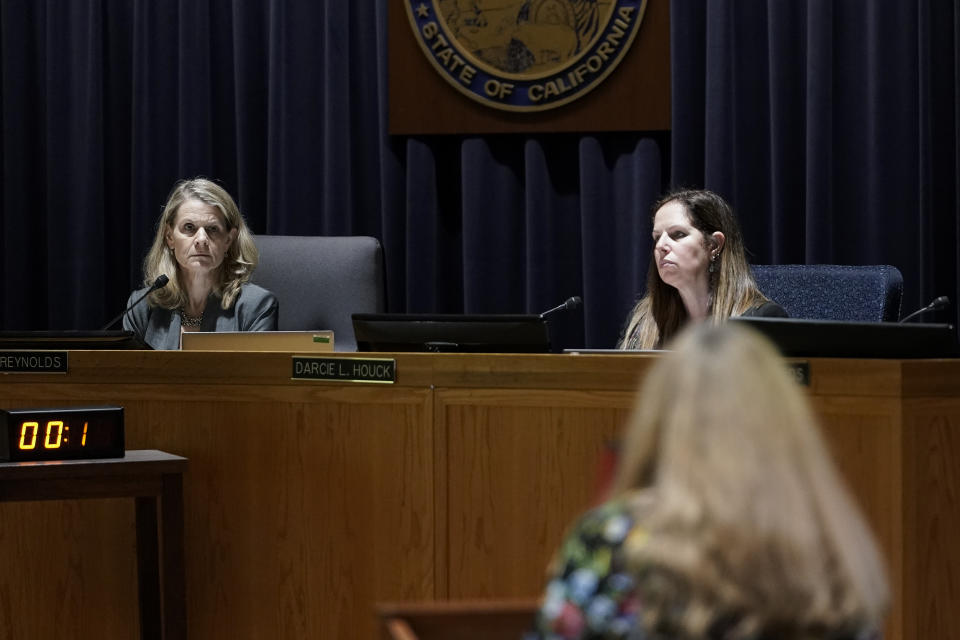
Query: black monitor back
x=71, y=340
x=481, y=333
x=796, y=337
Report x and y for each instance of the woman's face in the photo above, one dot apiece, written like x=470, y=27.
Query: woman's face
x=199, y=237
x=680, y=248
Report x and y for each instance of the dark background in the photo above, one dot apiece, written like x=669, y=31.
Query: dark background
x=831, y=126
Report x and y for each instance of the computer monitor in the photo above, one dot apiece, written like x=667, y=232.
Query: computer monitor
x=71, y=340
x=796, y=337
x=484, y=333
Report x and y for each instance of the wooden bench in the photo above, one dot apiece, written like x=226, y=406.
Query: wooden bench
x=457, y=620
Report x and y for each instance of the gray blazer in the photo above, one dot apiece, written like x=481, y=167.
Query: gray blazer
x=255, y=309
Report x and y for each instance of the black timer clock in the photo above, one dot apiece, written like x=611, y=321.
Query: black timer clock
x=61, y=434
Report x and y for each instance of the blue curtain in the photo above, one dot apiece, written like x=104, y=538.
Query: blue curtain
x=106, y=103
x=830, y=125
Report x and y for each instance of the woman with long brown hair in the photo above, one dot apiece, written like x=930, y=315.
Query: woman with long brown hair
x=698, y=271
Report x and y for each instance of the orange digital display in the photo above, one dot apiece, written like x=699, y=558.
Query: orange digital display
x=61, y=434
x=55, y=434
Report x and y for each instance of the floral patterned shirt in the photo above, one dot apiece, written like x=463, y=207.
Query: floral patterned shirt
x=591, y=594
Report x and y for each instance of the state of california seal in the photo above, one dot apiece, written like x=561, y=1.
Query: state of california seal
x=525, y=55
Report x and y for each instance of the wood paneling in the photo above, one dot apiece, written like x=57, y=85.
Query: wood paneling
x=931, y=516
x=308, y=502
x=509, y=490
x=69, y=570
x=305, y=513
x=299, y=515
x=865, y=436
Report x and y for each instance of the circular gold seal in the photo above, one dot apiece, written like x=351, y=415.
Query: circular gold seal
x=525, y=55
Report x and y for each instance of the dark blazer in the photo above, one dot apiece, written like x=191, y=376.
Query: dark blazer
x=255, y=309
x=767, y=309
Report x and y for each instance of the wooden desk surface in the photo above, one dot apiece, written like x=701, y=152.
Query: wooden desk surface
x=307, y=502
x=136, y=462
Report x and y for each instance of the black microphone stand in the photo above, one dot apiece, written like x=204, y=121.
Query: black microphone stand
x=159, y=283
x=570, y=303
x=936, y=305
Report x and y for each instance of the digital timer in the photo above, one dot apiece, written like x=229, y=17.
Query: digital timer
x=61, y=434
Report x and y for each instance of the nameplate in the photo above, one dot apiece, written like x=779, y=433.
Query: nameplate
x=33, y=361
x=800, y=371
x=377, y=370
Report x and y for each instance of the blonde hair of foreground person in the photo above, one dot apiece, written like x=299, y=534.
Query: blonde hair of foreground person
x=747, y=510
x=238, y=263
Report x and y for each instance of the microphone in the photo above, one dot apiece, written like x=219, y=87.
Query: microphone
x=159, y=283
x=938, y=303
x=570, y=303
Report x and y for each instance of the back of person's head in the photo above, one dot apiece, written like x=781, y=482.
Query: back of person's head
x=749, y=521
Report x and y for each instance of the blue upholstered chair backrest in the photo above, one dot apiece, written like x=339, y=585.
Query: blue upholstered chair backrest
x=833, y=292
x=321, y=280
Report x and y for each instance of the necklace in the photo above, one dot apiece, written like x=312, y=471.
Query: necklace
x=190, y=321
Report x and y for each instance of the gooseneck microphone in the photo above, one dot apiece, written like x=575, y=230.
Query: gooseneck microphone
x=570, y=303
x=938, y=303
x=159, y=283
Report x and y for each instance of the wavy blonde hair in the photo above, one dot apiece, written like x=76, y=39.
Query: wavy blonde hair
x=238, y=263
x=660, y=314
x=749, y=517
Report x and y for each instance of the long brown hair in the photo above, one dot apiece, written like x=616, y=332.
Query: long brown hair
x=749, y=516
x=238, y=263
x=661, y=313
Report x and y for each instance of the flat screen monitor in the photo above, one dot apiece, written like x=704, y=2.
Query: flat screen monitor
x=801, y=338
x=71, y=340
x=484, y=333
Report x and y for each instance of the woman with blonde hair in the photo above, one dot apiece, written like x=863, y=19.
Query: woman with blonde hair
x=698, y=270
x=206, y=253
x=728, y=519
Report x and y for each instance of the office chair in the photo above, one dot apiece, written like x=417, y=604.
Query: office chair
x=320, y=281
x=833, y=292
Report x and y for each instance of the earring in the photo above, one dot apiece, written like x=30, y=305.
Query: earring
x=712, y=266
